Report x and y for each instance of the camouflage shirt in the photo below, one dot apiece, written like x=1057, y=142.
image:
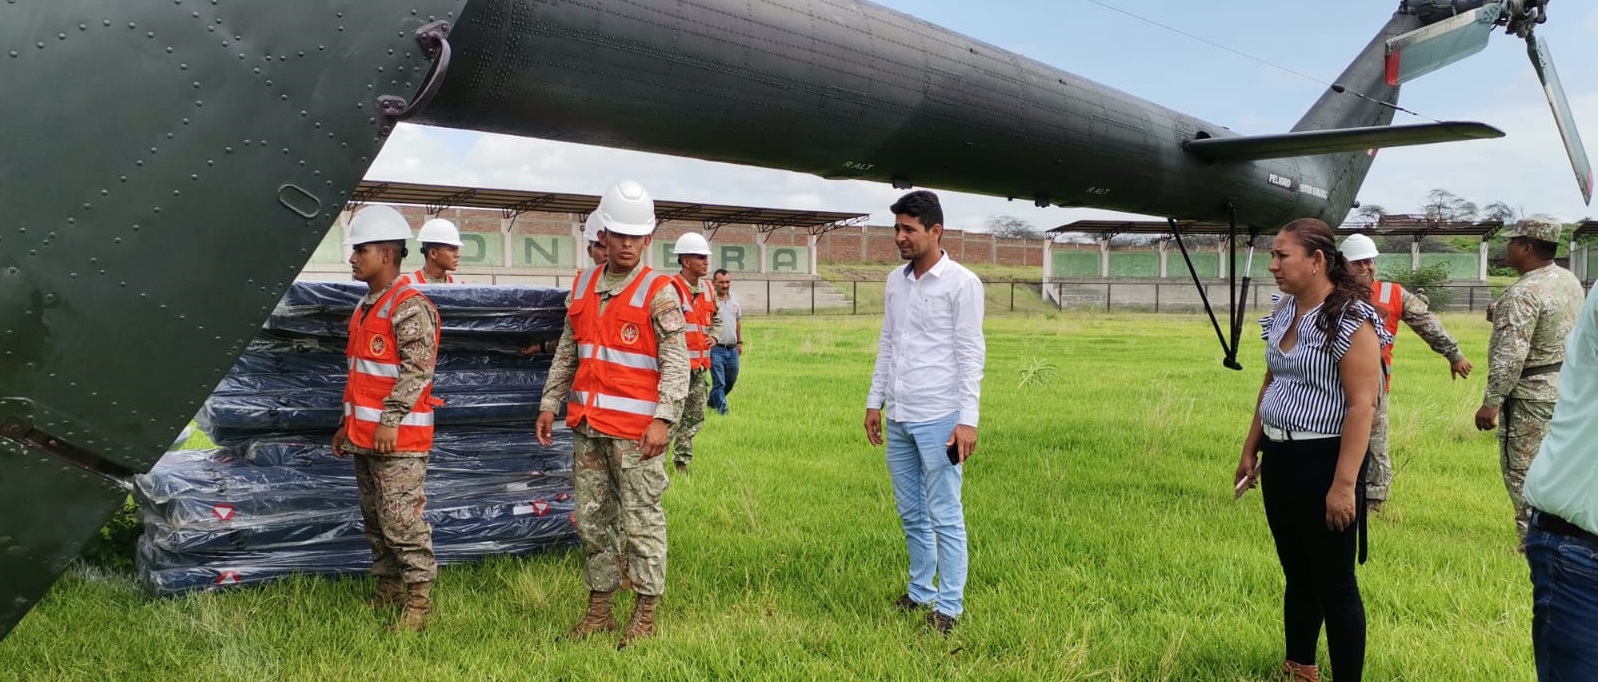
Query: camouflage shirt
x=1530, y=323
x=666, y=310
x=415, y=330
x=1426, y=325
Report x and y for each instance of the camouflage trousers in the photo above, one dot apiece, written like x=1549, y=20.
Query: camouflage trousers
x=619, y=513
x=1379, y=475
x=392, y=503
x=692, y=416
x=1521, y=428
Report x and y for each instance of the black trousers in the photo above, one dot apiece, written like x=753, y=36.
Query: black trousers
x=1317, y=562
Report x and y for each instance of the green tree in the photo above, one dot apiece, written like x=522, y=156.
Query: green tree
x=1430, y=281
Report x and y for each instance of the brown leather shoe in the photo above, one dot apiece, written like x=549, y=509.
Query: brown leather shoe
x=390, y=592
x=597, y=619
x=418, y=604
x=642, y=624
x=944, y=624
x=905, y=603
x=1298, y=672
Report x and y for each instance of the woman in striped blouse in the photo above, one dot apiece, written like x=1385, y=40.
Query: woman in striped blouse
x=1312, y=424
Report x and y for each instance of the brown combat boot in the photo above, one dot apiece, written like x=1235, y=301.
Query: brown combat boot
x=418, y=604
x=642, y=624
x=598, y=618
x=1298, y=672
x=390, y=592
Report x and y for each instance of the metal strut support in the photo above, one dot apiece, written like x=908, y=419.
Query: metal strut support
x=1236, y=297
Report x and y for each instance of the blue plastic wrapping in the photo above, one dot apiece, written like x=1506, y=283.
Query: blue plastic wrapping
x=323, y=309
x=290, y=522
x=200, y=572
x=445, y=382
x=219, y=476
x=272, y=501
x=235, y=416
x=461, y=443
x=318, y=369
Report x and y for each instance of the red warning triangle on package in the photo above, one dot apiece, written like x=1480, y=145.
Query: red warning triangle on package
x=228, y=578
x=540, y=507
x=223, y=511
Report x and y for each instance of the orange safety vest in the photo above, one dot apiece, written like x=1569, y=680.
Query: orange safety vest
x=420, y=277
x=617, y=385
x=1388, y=297
x=699, y=312
x=374, y=368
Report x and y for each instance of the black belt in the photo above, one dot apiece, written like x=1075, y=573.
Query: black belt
x=1540, y=369
x=726, y=345
x=1559, y=526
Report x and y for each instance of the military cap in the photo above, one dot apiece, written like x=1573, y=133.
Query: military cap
x=1540, y=230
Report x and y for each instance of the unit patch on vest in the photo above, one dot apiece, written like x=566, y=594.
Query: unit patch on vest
x=378, y=344
x=629, y=333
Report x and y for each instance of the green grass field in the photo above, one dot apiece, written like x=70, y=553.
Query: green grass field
x=1105, y=544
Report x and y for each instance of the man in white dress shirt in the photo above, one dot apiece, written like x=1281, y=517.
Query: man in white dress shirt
x=929, y=377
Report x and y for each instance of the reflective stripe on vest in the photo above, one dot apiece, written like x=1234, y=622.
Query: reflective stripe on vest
x=618, y=370
x=638, y=360
x=617, y=403
x=369, y=414
x=1388, y=298
x=375, y=368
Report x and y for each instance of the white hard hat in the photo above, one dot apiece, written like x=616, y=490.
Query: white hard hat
x=627, y=209
x=378, y=223
x=592, y=227
x=439, y=231
x=692, y=244
x=1358, y=247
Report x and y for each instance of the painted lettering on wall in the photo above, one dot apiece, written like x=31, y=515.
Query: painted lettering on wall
x=786, y=259
x=474, y=249
x=732, y=258
x=544, y=251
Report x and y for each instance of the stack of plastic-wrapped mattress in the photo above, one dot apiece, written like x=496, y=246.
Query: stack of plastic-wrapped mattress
x=271, y=500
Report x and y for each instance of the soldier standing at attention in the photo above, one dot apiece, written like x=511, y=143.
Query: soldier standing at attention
x=623, y=363
x=1395, y=303
x=441, y=253
x=693, y=255
x=388, y=414
x=1531, y=320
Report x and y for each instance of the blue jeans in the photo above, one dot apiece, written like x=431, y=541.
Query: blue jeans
x=723, y=375
x=1564, y=615
x=927, y=490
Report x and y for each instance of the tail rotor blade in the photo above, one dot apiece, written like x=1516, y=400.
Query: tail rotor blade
x=1429, y=48
x=1543, y=62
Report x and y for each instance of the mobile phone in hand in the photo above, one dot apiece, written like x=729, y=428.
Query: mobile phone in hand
x=954, y=453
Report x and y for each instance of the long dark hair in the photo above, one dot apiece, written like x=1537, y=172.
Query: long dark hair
x=1347, y=290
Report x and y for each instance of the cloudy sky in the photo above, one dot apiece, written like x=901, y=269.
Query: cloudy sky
x=1527, y=168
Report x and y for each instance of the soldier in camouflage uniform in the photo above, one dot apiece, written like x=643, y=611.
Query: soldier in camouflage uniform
x=621, y=408
x=390, y=472
x=1396, y=304
x=1530, y=322
x=704, y=325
